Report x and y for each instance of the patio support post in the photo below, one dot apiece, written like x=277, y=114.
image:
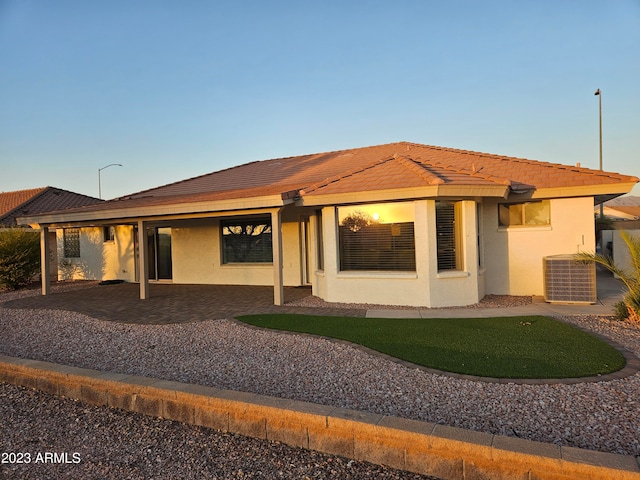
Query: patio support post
x=45, y=260
x=276, y=239
x=143, y=260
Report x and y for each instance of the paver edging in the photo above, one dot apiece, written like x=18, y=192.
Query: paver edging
x=413, y=445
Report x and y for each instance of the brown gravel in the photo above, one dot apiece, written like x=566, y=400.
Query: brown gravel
x=599, y=416
x=489, y=301
x=113, y=444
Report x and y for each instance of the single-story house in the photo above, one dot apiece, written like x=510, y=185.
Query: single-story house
x=396, y=224
x=36, y=201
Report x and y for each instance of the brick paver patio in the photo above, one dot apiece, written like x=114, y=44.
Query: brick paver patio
x=172, y=303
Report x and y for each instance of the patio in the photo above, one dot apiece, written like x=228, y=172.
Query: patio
x=172, y=303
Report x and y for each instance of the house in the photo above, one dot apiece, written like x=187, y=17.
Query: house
x=37, y=201
x=397, y=224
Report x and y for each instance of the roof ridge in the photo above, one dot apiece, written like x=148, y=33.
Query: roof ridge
x=337, y=178
x=419, y=169
x=475, y=173
x=528, y=161
x=310, y=155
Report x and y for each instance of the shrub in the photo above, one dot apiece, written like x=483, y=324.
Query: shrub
x=631, y=277
x=621, y=310
x=19, y=257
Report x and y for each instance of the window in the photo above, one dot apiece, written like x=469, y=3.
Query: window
x=246, y=241
x=109, y=234
x=524, y=214
x=377, y=237
x=449, y=239
x=319, y=241
x=71, y=241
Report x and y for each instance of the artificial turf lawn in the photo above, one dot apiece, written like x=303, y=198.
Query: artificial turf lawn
x=502, y=347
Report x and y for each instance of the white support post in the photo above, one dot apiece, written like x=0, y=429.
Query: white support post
x=143, y=260
x=276, y=239
x=45, y=261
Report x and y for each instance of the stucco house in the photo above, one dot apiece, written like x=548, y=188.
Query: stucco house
x=397, y=224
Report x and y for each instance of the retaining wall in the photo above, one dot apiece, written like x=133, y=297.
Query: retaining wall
x=416, y=446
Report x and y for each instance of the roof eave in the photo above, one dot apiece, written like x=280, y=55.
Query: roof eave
x=142, y=212
x=432, y=191
x=608, y=190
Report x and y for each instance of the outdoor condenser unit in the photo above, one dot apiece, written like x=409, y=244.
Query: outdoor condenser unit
x=567, y=280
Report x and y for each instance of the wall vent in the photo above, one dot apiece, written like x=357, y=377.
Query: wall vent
x=567, y=280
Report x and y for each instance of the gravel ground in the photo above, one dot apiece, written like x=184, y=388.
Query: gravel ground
x=107, y=443
x=489, y=301
x=600, y=416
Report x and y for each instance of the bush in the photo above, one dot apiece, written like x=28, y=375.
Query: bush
x=19, y=257
x=630, y=277
x=621, y=310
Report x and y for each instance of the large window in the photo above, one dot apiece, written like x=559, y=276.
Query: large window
x=524, y=214
x=449, y=239
x=377, y=237
x=71, y=241
x=246, y=241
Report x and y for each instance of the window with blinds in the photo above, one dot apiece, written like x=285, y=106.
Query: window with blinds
x=377, y=237
x=448, y=236
x=71, y=242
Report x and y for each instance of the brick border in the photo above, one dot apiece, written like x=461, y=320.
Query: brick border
x=411, y=445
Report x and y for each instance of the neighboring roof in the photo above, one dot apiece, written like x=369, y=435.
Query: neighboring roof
x=623, y=212
x=625, y=201
x=37, y=201
x=383, y=172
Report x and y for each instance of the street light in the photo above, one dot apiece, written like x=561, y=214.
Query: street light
x=599, y=94
x=99, y=170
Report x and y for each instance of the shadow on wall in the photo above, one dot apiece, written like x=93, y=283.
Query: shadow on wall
x=92, y=261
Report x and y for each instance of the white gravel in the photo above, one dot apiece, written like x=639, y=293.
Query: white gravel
x=601, y=416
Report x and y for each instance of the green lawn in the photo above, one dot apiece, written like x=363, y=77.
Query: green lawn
x=504, y=347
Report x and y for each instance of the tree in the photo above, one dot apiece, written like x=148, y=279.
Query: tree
x=630, y=277
x=19, y=257
x=356, y=221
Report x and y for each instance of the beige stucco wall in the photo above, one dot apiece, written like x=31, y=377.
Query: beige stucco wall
x=99, y=260
x=197, y=256
x=621, y=254
x=513, y=256
x=424, y=287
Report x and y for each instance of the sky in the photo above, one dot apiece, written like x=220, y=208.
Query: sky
x=172, y=90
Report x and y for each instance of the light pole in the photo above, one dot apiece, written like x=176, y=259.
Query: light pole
x=99, y=170
x=599, y=94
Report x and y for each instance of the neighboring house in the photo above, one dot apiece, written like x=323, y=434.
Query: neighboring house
x=37, y=201
x=397, y=224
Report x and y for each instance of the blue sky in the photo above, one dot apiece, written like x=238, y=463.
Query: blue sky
x=173, y=90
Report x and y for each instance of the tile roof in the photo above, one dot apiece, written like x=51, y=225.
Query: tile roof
x=627, y=209
x=39, y=200
x=403, y=163
x=381, y=167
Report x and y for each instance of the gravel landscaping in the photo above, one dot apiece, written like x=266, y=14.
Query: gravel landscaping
x=109, y=443
x=600, y=416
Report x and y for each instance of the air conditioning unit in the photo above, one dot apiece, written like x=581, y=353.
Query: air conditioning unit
x=568, y=280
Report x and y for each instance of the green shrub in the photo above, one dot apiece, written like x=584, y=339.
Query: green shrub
x=630, y=277
x=19, y=257
x=621, y=310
